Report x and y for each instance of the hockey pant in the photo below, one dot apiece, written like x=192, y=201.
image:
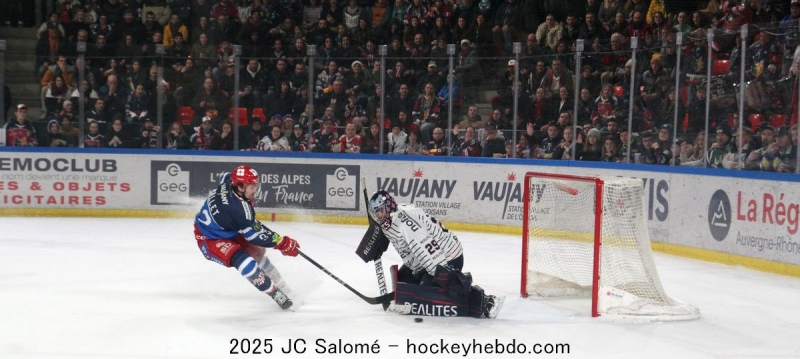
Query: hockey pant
x=236, y=254
x=450, y=295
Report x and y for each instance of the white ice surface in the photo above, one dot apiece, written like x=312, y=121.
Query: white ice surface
x=132, y=288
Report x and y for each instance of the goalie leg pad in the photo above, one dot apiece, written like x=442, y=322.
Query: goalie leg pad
x=456, y=283
x=430, y=301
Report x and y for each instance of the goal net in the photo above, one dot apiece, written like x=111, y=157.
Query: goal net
x=586, y=236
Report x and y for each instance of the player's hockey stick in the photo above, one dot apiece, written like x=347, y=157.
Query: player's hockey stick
x=385, y=298
x=378, y=262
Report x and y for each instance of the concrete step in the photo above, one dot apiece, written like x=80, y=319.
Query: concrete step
x=28, y=33
x=14, y=78
x=20, y=46
x=21, y=65
x=28, y=90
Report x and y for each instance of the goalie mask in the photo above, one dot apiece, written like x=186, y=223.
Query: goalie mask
x=381, y=207
x=246, y=176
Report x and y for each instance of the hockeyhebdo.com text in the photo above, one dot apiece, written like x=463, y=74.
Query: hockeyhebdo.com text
x=441, y=347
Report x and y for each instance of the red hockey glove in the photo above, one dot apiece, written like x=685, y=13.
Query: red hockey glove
x=288, y=246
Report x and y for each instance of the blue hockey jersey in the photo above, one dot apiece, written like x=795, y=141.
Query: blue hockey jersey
x=224, y=215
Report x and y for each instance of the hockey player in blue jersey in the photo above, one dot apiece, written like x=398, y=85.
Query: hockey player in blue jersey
x=430, y=279
x=228, y=233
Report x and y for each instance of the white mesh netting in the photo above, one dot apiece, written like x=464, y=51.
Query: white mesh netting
x=560, y=248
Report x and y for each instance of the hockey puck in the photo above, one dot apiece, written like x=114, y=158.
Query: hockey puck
x=417, y=320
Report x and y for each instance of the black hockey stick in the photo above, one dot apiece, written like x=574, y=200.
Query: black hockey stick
x=378, y=262
x=385, y=298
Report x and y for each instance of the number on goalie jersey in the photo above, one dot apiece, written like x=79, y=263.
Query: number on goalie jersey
x=228, y=233
x=422, y=241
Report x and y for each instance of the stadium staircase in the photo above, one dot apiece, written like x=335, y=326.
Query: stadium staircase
x=20, y=74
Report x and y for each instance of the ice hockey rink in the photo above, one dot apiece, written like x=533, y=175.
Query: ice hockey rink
x=140, y=288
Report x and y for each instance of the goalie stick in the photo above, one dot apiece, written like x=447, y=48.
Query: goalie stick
x=378, y=262
x=385, y=298
x=390, y=306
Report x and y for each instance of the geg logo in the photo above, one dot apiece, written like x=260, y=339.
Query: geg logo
x=341, y=189
x=340, y=174
x=173, y=185
x=341, y=192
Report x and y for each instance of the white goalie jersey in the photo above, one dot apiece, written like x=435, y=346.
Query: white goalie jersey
x=421, y=240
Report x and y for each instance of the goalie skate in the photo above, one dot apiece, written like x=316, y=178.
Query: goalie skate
x=492, y=305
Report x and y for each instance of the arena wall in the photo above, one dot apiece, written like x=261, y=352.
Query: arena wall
x=742, y=218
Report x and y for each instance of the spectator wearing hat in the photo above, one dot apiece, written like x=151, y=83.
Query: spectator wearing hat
x=252, y=135
x=767, y=137
x=591, y=148
x=781, y=155
x=298, y=140
x=19, y=131
x=432, y=75
x=360, y=82
x=721, y=147
x=494, y=144
x=660, y=151
x=204, y=134
x=466, y=68
x=148, y=134
x=611, y=151
x=288, y=125
x=325, y=138
x=656, y=84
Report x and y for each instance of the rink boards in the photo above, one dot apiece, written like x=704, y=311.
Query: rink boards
x=733, y=217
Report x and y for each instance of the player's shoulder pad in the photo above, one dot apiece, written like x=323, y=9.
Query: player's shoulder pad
x=224, y=177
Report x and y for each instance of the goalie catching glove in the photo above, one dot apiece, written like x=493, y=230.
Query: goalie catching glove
x=288, y=246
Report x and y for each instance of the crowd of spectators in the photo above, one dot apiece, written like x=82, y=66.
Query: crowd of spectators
x=342, y=105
